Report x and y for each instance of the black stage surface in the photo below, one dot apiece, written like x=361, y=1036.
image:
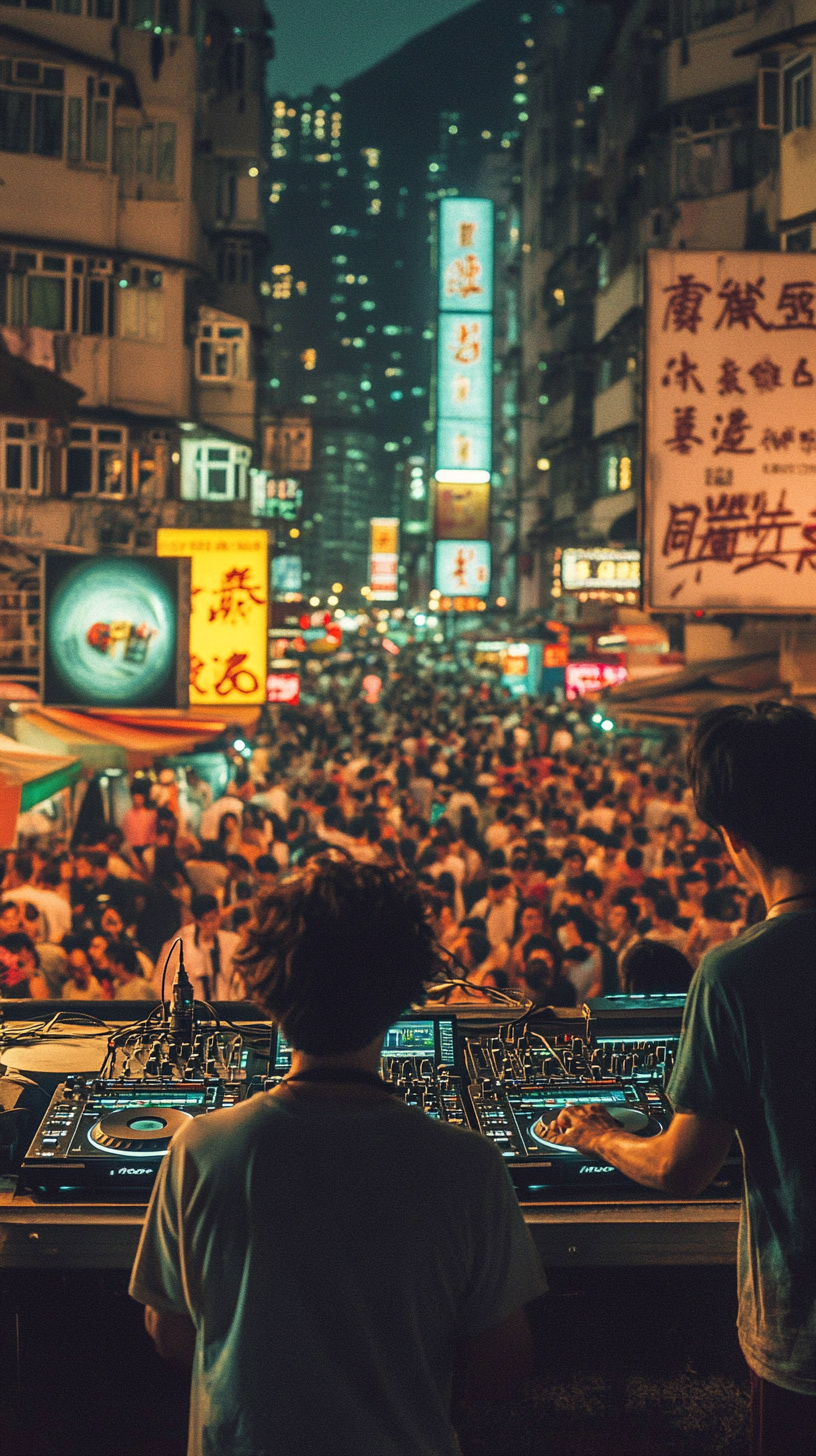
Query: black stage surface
x=630, y=1362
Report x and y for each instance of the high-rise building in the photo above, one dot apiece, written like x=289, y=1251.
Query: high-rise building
x=117, y=278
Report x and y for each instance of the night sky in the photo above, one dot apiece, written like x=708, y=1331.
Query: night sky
x=325, y=42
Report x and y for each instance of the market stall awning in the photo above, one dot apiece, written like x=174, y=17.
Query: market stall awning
x=675, y=699
x=38, y=774
x=117, y=739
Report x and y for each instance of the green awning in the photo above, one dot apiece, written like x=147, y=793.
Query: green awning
x=39, y=774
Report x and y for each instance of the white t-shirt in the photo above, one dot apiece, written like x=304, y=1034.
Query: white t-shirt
x=332, y=1257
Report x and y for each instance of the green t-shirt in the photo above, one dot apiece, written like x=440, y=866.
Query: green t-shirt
x=747, y=1056
x=332, y=1259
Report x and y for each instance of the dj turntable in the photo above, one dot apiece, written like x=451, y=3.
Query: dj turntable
x=516, y=1116
x=111, y=1133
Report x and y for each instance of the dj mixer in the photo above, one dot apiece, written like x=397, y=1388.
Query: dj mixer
x=106, y=1132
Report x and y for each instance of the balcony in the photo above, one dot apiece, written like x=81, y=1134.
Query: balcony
x=618, y=299
x=616, y=407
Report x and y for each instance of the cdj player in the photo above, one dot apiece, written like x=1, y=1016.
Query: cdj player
x=105, y=1134
x=519, y=1083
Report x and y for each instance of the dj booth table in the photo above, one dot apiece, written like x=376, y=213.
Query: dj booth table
x=39, y=1235
x=36, y=1233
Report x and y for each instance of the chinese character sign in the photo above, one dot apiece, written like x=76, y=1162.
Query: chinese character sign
x=463, y=568
x=228, y=612
x=384, y=559
x=465, y=338
x=466, y=254
x=731, y=431
x=464, y=392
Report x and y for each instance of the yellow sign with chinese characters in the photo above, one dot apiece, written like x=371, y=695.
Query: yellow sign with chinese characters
x=228, y=612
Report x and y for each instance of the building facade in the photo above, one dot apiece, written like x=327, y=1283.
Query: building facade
x=115, y=275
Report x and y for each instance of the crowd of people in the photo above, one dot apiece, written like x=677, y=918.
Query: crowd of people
x=557, y=863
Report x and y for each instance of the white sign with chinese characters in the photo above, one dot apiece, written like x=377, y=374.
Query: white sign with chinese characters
x=730, y=443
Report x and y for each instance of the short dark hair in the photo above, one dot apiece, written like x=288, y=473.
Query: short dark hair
x=123, y=954
x=652, y=967
x=633, y=858
x=665, y=907
x=17, y=941
x=753, y=772
x=202, y=905
x=266, y=865
x=338, y=951
x=545, y=942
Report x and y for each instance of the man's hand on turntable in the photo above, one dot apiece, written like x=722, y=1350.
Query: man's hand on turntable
x=680, y=1161
x=582, y=1127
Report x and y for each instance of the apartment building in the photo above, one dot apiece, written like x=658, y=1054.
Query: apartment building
x=120, y=276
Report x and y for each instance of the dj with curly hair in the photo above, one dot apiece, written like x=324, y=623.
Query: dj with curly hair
x=327, y=1257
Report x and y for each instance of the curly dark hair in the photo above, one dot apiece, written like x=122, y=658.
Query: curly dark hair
x=338, y=950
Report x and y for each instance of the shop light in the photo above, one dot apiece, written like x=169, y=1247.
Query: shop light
x=607, y=725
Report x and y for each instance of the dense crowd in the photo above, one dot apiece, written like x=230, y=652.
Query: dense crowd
x=558, y=863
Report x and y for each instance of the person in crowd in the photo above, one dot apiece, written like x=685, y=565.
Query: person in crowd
x=305, y=1343
x=139, y=821
x=715, y=925
x=126, y=974
x=30, y=980
x=81, y=983
x=543, y=980
x=652, y=966
x=97, y=952
x=583, y=962
x=622, y=919
x=25, y=885
x=664, y=925
x=498, y=909
x=10, y=917
x=208, y=954
x=741, y=1057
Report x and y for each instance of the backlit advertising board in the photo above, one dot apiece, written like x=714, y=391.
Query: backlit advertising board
x=384, y=559
x=465, y=340
x=466, y=254
x=283, y=687
x=228, y=614
x=730, y=431
x=462, y=568
x=591, y=677
x=287, y=574
x=461, y=512
x=116, y=631
x=600, y=568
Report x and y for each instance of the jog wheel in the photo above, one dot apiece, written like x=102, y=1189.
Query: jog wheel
x=631, y=1119
x=138, y=1129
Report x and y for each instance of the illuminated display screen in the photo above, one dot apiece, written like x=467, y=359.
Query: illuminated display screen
x=431, y=1038
x=465, y=338
x=600, y=568
x=116, y=631
x=462, y=568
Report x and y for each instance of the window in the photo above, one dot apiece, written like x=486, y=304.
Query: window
x=141, y=305
x=145, y=154
x=221, y=352
x=74, y=128
x=22, y=456
x=798, y=241
x=31, y=121
x=797, y=94
x=96, y=142
x=768, y=98
x=221, y=471
x=51, y=291
x=235, y=263
x=95, y=461
x=232, y=66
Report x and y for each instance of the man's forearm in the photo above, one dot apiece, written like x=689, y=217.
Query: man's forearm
x=646, y=1160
